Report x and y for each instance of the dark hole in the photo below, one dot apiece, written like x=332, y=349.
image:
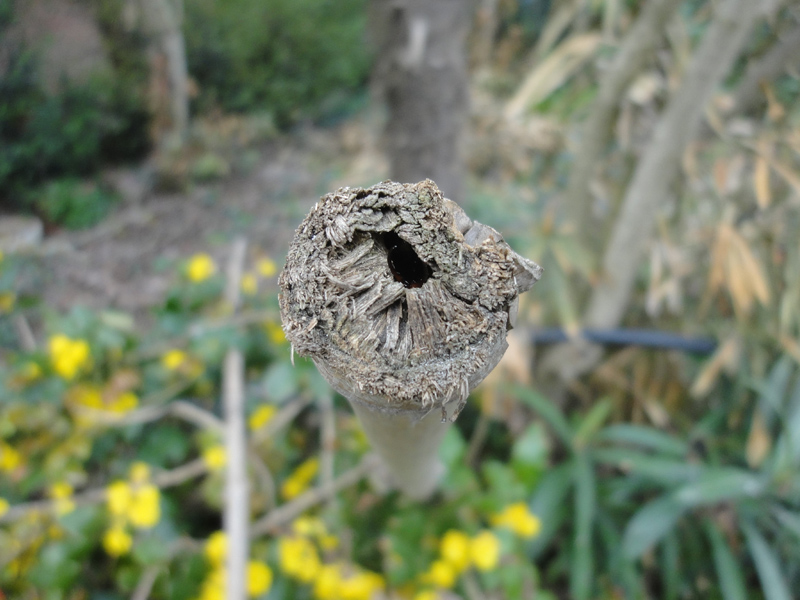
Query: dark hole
x=362, y=194
x=406, y=267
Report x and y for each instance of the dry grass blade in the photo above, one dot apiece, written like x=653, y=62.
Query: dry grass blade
x=726, y=357
x=761, y=183
x=551, y=73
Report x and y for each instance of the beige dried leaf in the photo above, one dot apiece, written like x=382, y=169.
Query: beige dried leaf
x=726, y=354
x=761, y=183
x=759, y=441
x=552, y=72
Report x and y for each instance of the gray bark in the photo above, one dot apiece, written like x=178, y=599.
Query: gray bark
x=403, y=303
x=636, y=48
x=785, y=53
x=656, y=172
x=163, y=20
x=421, y=73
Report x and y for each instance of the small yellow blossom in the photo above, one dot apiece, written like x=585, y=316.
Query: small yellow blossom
x=484, y=551
x=361, y=586
x=117, y=541
x=4, y=506
x=213, y=587
x=215, y=457
x=249, y=284
x=309, y=526
x=139, y=472
x=216, y=548
x=455, y=548
x=125, y=402
x=426, y=595
x=173, y=359
x=327, y=582
x=275, y=332
x=145, y=508
x=200, y=267
x=118, y=498
x=518, y=519
x=259, y=578
x=61, y=492
x=298, y=558
x=9, y=458
x=298, y=482
x=7, y=300
x=441, y=574
x=68, y=356
x=27, y=373
x=266, y=267
x=261, y=416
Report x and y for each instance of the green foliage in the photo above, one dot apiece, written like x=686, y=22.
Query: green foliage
x=296, y=59
x=70, y=132
x=71, y=202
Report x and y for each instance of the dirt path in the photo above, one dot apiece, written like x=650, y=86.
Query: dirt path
x=123, y=263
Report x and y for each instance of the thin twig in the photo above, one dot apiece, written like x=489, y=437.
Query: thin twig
x=180, y=409
x=327, y=439
x=145, y=585
x=237, y=493
x=477, y=440
x=162, y=480
x=25, y=334
x=287, y=512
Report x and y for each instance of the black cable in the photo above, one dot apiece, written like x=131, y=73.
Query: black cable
x=648, y=338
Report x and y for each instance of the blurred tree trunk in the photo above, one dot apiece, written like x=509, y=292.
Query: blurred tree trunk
x=163, y=20
x=655, y=174
x=421, y=72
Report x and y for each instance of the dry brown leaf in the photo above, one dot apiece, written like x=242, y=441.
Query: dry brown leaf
x=552, y=72
x=721, y=176
x=737, y=284
x=727, y=353
x=791, y=346
x=761, y=183
x=757, y=281
x=759, y=441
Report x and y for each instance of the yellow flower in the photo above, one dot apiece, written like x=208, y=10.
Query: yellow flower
x=215, y=457
x=61, y=492
x=441, y=574
x=518, y=519
x=216, y=548
x=266, y=267
x=484, y=550
x=173, y=359
x=327, y=582
x=9, y=458
x=118, y=498
x=145, y=510
x=249, y=284
x=361, y=586
x=7, y=300
x=68, y=356
x=275, y=332
x=309, y=526
x=298, y=558
x=139, y=472
x=455, y=549
x=4, y=506
x=298, y=481
x=201, y=267
x=117, y=541
x=213, y=587
x=261, y=416
x=259, y=578
x=125, y=402
x=426, y=595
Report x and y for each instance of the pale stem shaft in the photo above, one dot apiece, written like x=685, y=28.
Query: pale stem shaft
x=409, y=447
x=236, y=486
x=237, y=493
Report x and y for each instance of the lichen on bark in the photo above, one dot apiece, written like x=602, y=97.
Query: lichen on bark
x=401, y=300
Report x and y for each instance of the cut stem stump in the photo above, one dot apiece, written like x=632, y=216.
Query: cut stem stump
x=403, y=303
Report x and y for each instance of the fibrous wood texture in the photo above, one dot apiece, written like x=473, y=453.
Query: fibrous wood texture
x=400, y=299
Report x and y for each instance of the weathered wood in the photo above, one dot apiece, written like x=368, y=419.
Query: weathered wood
x=402, y=302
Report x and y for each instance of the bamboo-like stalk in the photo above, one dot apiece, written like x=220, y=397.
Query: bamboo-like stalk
x=403, y=303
